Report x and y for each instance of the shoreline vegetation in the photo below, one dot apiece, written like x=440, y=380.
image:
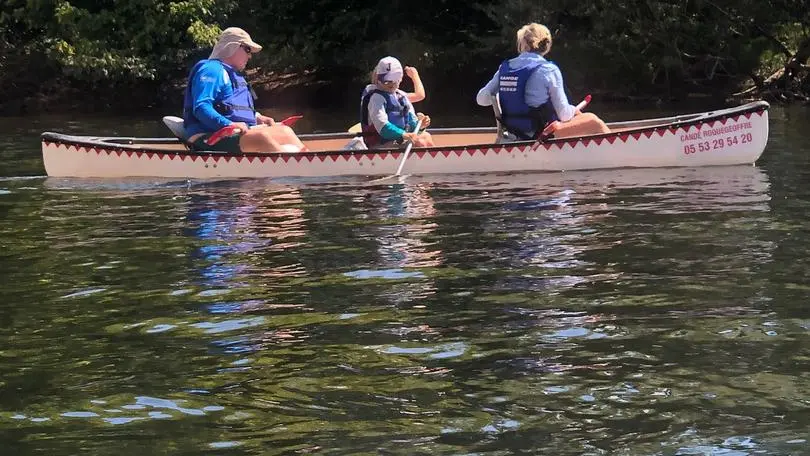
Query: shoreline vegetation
x=62, y=56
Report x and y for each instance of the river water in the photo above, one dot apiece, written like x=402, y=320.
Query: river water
x=628, y=312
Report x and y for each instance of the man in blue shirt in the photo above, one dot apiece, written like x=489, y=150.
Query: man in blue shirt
x=218, y=96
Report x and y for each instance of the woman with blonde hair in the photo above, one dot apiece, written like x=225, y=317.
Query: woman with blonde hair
x=531, y=91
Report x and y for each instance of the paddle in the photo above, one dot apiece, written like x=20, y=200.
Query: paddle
x=356, y=128
x=404, y=156
x=580, y=106
x=222, y=133
x=289, y=121
x=231, y=130
x=554, y=126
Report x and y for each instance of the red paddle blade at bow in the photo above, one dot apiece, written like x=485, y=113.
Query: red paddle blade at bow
x=553, y=126
x=223, y=132
x=289, y=121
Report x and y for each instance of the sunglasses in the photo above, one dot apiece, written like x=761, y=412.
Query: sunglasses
x=247, y=49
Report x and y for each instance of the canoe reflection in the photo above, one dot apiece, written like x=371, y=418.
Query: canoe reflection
x=404, y=242
x=240, y=229
x=404, y=223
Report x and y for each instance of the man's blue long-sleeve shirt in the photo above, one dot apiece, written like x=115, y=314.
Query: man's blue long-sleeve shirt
x=209, y=84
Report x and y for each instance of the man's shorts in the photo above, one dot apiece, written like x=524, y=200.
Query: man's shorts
x=228, y=144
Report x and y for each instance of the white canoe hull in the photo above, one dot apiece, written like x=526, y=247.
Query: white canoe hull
x=728, y=137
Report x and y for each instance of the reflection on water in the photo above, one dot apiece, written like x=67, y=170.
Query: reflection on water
x=403, y=215
x=404, y=244
x=619, y=312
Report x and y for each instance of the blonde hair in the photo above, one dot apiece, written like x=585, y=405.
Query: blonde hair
x=534, y=38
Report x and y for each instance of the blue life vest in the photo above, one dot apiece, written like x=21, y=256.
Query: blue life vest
x=396, y=108
x=236, y=107
x=517, y=117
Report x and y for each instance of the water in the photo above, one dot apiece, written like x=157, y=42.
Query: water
x=619, y=312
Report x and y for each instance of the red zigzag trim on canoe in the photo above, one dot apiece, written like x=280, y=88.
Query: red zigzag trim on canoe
x=446, y=153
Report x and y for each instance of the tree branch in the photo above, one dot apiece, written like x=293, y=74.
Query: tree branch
x=759, y=29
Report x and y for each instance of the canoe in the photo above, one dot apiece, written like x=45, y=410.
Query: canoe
x=730, y=136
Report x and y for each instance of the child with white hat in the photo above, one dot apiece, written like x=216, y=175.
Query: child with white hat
x=387, y=116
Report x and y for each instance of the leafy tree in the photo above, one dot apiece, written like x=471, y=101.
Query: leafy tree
x=106, y=40
x=661, y=48
x=648, y=46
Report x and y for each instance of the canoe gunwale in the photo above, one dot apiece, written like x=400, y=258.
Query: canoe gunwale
x=628, y=127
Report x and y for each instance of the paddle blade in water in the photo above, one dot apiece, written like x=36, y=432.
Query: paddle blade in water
x=223, y=132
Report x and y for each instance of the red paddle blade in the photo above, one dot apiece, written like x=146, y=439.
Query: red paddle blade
x=584, y=102
x=222, y=133
x=291, y=120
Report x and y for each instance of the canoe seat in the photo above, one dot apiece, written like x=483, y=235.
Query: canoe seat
x=175, y=124
x=502, y=136
x=356, y=143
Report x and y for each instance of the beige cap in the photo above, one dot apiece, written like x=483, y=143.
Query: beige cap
x=229, y=41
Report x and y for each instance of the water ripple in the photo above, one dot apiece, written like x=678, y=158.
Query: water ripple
x=644, y=311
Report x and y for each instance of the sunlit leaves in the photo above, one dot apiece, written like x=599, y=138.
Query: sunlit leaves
x=129, y=40
x=637, y=45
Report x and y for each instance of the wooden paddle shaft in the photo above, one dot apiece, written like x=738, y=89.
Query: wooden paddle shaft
x=408, y=148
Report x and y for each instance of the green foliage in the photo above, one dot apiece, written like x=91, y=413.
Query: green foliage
x=623, y=46
x=649, y=46
x=113, y=40
x=350, y=35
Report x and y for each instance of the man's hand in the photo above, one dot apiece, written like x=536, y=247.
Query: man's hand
x=243, y=127
x=265, y=120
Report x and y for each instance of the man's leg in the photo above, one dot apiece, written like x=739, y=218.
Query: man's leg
x=258, y=140
x=285, y=135
x=270, y=139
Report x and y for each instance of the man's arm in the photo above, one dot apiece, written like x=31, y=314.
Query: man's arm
x=205, y=87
